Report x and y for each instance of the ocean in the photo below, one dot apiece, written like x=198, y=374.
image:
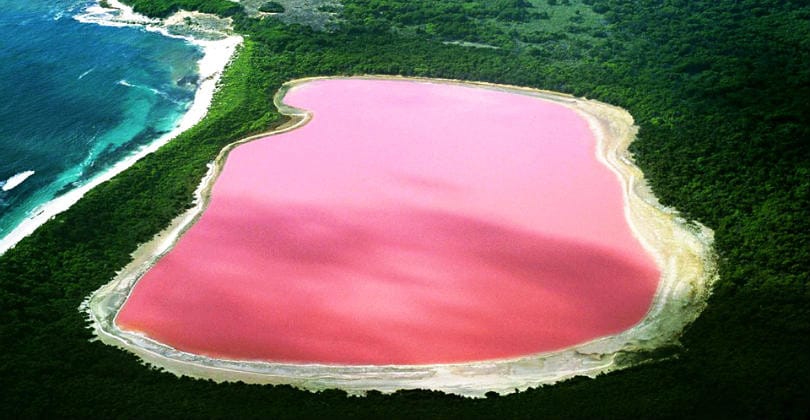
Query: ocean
x=77, y=98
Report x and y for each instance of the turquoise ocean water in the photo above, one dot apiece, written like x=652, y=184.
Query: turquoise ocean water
x=75, y=98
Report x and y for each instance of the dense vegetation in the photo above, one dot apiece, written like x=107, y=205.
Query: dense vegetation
x=509, y=24
x=719, y=89
x=272, y=7
x=165, y=8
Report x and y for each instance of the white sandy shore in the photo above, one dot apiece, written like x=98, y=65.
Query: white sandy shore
x=216, y=55
x=682, y=250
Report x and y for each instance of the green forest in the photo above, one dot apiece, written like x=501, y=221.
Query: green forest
x=719, y=88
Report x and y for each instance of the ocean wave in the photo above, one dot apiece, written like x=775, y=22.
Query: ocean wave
x=166, y=96
x=121, y=15
x=100, y=16
x=117, y=15
x=15, y=180
x=90, y=161
x=158, y=92
x=85, y=73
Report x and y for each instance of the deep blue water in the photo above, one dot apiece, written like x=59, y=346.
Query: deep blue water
x=76, y=97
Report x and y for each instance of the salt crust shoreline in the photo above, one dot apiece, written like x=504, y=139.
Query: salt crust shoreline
x=216, y=56
x=682, y=250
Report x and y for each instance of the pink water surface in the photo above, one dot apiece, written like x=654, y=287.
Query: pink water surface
x=406, y=223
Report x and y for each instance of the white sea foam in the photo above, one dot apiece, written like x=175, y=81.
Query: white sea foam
x=118, y=14
x=216, y=55
x=16, y=180
x=162, y=94
x=158, y=92
x=99, y=16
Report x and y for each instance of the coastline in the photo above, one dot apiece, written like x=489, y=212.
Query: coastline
x=682, y=251
x=216, y=56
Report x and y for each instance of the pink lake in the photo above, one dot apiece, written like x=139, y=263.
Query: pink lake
x=406, y=223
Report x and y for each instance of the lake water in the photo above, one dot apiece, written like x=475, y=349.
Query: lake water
x=406, y=223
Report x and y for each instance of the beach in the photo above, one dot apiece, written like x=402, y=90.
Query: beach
x=682, y=251
x=216, y=55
